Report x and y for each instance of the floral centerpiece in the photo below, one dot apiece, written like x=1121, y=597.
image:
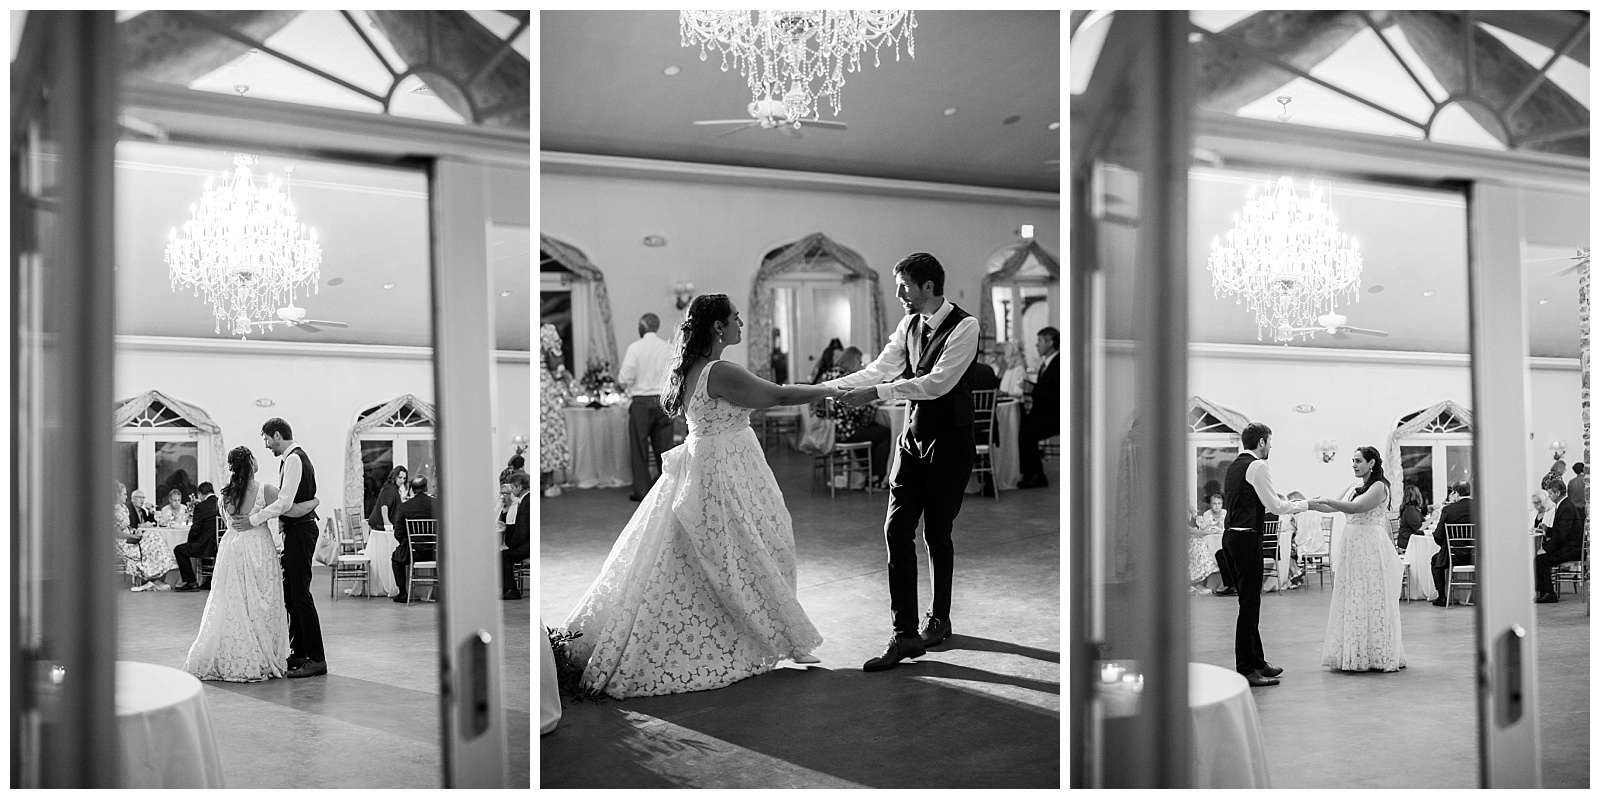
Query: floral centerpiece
x=568, y=676
x=597, y=381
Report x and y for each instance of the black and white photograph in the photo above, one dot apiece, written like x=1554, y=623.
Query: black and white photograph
x=1329, y=350
x=800, y=331
x=271, y=399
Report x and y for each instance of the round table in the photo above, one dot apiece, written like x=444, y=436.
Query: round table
x=164, y=728
x=1213, y=542
x=380, y=578
x=598, y=439
x=1420, y=549
x=1229, y=749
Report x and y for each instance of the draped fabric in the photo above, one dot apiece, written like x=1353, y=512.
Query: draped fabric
x=599, y=340
x=1391, y=450
x=353, y=472
x=795, y=257
x=130, y=408
x=1227, y=416
x=1012, y=264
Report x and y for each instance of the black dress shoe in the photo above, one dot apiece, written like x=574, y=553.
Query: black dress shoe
x=1269, y=670
x=512, y=594
x=186, y=587
x=400, y=598
x=205, y=586
x=1438, y=603
x=1545, y=599
x=899, y=648
x=310, y=668
x=934, y=631
x=296, y=661
x=635, y=498
x=1254, y=678
x=1227, y=591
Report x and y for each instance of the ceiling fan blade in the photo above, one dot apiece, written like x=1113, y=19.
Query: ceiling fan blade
x=1557, y=258
x=731, y=131
x=1363, y=331
x=323, y=322
x=1563, y=272
x=306, y=326
x=823, y=124
x=722, y=122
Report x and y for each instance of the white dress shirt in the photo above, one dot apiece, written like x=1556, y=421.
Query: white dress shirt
x=644, y=366
x=287, y=488
x=1260, y=477
x=959, y=350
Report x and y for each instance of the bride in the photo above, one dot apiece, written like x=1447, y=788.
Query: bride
x=244, y=634
x=1364, y=622
x=699, y=589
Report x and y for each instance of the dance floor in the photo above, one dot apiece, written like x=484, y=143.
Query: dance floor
x=1415, y=728
x=982, y=710
x=372, y=722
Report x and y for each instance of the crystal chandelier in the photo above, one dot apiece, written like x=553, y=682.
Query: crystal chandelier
x=244, y=250
x=1287, y=259
x=778, y=49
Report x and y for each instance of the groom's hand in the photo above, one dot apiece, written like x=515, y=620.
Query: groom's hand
x=240, y=522
x=857, y=397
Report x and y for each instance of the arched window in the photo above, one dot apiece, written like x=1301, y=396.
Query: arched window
x=1213, y=444
x=161, y=444
x=396, y=433
x=1021, y=292
x=573, y=297
x=805, y=294
x=1434, y=448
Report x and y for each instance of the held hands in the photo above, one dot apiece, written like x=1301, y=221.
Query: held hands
x=857, y=397
x=239, y=522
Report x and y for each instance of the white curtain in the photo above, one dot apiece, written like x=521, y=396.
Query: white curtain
x=129, y=408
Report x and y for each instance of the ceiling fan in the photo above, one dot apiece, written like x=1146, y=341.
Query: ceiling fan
x=771, y=114
x=294, y=316
x=1577, y=261
x=1330, y=323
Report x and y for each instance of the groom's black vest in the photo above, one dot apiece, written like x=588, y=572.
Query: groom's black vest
x=1239, y=497
x=308, y=479
x=931, y=418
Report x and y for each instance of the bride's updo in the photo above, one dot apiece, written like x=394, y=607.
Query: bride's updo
x=243, y=466
x=694, y=340
x=1371, y=454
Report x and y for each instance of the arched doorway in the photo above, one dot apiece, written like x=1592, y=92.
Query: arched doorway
x=163, y=443
x=573, y=297
x=1434, y=448
x=1213, y=445
x=1021, y=292
x=396, y=433
x=806, y=293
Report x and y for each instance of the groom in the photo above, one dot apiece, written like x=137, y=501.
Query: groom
x=297, y=483
x=1248, y=495
x=927, y=361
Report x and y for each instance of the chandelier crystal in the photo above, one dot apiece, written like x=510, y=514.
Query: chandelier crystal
x=244, y=250
x=781, y=53
x=1287, y=260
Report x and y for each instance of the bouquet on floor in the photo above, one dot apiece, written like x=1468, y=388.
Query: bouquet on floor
x=568, y=675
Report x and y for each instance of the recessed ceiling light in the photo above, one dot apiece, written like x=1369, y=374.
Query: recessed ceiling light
x=1428, y=293
x=336, y=281
x=505, y=293
x=1011, y=120
x=949, y=111
x=388, y=285
x=1375, y=290
x=1545, y=301
x=670, y=71
x=1054, y=126
x=1304, y=408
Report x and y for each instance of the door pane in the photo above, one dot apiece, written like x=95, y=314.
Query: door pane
x=125, y=466
x=832, y=315
x=1417, y=465
x=1211, y=464
x=377, y=459
x=419, y=460
x=1458, y=463
x=177, y=463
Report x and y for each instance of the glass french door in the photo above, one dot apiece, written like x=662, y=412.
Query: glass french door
x=159, y=463
x=383, y=451
x=1433, y=464
x=810, y=312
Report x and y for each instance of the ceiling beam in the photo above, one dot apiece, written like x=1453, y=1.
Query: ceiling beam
x=1549, y=28
x=1227, y=79
x=1499, y=77
x=451, y=43
x=163, y=46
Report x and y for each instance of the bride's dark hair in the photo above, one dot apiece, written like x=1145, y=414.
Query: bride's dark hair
x=1371, y=454
x=694, y=341
x=243, y=466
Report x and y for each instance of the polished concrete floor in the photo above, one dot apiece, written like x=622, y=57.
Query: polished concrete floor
x=981, y=710
x=371, y=722
x=1415, y=728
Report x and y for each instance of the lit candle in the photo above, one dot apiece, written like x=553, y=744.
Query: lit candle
x=1109, y=673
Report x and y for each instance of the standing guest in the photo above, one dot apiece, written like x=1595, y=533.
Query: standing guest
x=1563, y=542
x=858, y=424
x=824, y=363
x=1014, y=378
x=1458, y=511
x=174, y=513
x=1578, y=486
x=419, y=506
x=514, y=519
x=516, y=464
x=202, y=541
x=140, y=512
x=1412, y=510
x=388, y=502
x=643, y=375
x=1043, y=420
x=554, y=391
x=1248, y=496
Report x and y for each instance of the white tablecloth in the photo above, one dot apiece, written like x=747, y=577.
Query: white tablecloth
x=1420, y=549
x=380, y=546
x=1229, y=748
x=165, y=729
x=598, y=439
x=1213, y=542
x=1007, y=461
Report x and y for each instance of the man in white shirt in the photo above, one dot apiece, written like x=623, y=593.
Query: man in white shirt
x=643, y=376
x=926, y=362
x=1247, y=496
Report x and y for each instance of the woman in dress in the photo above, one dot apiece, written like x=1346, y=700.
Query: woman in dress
x=699, y=589
x=244, y=634
x=825, y=361
x=1015, y=374
x=145, y=557
x=1201, y=562
x=1364, y=622
x=1412, y=510
x=389, y=499
x=554, y=391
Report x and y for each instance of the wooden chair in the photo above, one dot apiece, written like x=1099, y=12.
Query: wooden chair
x=983, y=433
x=209, y=565
x=1321, y=562
x=1574, y=571
x=1050, y=448
x=846, y=460
x=520, y=571
x=1269, y=553
x=777, y=423
x=350, y=565
x=1460, y=543
x=422, y=536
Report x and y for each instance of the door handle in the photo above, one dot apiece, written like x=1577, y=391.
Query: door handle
x=472, y=709
x=1508, y=693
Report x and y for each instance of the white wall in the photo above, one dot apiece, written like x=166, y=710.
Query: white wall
x=717, y=235
x=317, y=390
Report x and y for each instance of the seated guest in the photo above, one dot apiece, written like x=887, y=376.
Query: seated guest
x=1214, y=518
x=1541, y=512
x=854, y=425
x=387, y=505
x=1043, y=419
x=1562, y=542
x=1014, y=376
x=173, y=514
x=1457, y=511
x=825, y=362
x=202, y=541
x=515, y=520
x=145, y=558
x=1412, y=511
x=419, y=506
x=981, y=376
x=141, y=514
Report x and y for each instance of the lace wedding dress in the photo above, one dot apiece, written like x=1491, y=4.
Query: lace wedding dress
x=244, y=634
x=699, y=590
x=1364, y=622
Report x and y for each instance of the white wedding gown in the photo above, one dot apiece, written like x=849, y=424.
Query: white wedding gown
x=244, y=634
x=699, y=589
x=1364, y=622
